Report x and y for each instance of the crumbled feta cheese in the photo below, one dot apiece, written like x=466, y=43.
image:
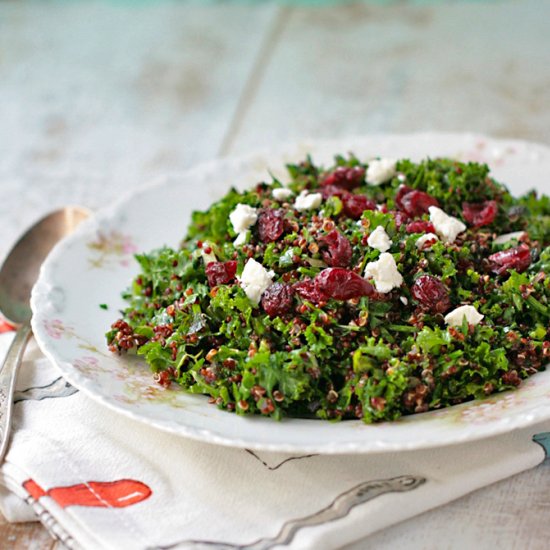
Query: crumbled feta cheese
x=379, y=239
x=281, y=193
x=255, y=280
x=384, y=273
x=447, y=227
x=243, y=217
x=455, y=317
x=404, y=300
x=507, y=237
x=241, y=238
x=426, y=238
x=380, y=171
x=401, y=177
x=307, y=201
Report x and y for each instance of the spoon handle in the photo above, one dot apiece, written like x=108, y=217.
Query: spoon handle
x=8, y=375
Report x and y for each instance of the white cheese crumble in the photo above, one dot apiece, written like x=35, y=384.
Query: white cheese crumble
x=379, y=239
x=507, y=237
x=241, y=239
x=255, y=280
x=380, y=171
x=404, y=300
x=384, y=273
x=243, y=217
x=447, y=227
x=281, y=193
x=421, y=241
x=307, y=201
x=455, y=317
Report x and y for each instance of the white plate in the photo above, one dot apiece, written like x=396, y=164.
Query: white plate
x=95, y=264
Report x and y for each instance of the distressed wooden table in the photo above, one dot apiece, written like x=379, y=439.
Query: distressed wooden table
x=97, y=99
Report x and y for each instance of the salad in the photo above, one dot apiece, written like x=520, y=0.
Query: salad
x=365, y=290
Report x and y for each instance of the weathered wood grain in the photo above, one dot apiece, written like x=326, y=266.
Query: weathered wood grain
x=99, y=98
x=360, y=68
x=28, y=536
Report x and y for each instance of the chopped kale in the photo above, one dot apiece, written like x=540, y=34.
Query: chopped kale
x=308, y=329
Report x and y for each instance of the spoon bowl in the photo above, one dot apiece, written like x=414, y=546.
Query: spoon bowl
x=18, y=274
x=21, y=267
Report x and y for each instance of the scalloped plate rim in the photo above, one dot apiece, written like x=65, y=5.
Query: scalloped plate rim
x=40, y=292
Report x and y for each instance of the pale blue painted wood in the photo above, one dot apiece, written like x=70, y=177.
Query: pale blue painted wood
x=543, y=439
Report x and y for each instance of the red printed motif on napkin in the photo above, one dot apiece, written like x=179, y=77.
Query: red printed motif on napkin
x=104, y=494
x=5, y=326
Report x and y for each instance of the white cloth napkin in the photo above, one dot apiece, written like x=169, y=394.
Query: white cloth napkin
x=97, y=480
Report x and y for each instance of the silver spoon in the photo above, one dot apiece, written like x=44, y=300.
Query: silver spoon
x=17, y=277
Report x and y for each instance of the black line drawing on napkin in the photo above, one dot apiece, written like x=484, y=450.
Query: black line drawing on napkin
x=58, y=388
x=277, y=466
x=340, y=507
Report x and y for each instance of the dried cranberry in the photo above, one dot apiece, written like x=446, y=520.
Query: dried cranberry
x=342, y=284
x=355, y=205
x=481, y=213
x=420, y=226
x=338, y=252
x=402, y=190
x=518, y=258
x=277, y=299
x=417, y=203
x=346, y=177
x=400, y=218
x=431, y=293
x=414, y=202
x=270, y=224
x=221, y=273
x=308, y=290
x=332, y=191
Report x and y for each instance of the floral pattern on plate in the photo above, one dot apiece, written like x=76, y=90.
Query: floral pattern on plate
x=110, y=248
